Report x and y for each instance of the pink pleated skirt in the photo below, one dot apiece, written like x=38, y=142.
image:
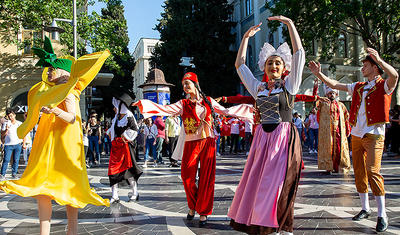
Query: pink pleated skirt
x=256, y=197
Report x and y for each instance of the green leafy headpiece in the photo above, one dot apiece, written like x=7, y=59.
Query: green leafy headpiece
x=47, y=57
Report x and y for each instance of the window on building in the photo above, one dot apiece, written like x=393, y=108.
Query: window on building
x=230, y=17
x=150, y=49
x=271, y=39
x=342, y=45
x=250, y=57
x=54, y=35
x=248, y=7
x=312, y=48
x=28, y=39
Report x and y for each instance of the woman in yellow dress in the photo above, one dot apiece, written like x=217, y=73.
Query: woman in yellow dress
x=56, y=168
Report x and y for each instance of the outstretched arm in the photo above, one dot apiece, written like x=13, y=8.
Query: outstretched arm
x=242, y=111
x=393, y=76
x=316, y=70
x=149, y=108
x=241, y=55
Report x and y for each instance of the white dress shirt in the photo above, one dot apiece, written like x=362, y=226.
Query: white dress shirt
x=361, y=127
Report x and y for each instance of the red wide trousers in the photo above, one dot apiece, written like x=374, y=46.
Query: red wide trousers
x=199, y=198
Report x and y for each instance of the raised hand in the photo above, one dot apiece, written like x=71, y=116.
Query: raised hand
x=314, y=67
x=374, y=54
x=282, y=19
x=253, y=30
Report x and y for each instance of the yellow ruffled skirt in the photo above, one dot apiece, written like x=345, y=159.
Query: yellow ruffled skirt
x=56, y=166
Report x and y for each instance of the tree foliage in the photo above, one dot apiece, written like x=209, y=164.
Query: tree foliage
x=199, y=29
x=100, y=32
x=377, y=22
x=110, y=31
x=35, y=14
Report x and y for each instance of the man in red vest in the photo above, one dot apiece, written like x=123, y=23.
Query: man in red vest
x=368, y=114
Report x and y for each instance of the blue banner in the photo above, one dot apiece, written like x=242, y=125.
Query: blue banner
x=163, y=98
x=150, y=96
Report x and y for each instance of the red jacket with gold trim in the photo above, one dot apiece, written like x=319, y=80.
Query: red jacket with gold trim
x=191, y=121
x=377, y=103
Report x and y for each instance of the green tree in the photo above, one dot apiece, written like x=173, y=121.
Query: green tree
x=35, y=14
x=110, y=31
x=100, y=32
x=377, y=22
x=199, y=29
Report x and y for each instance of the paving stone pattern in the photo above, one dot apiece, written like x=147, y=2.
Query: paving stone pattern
x=324, y=204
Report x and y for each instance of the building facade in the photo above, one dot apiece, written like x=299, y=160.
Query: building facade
x=347, y=59
x=142, y=54
x=18, y=73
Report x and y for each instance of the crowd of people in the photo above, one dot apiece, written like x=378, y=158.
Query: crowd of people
x=195, y=130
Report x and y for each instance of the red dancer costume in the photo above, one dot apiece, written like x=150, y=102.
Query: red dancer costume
x=368, y=114
x=199, y=141
x=122, y=165
x=334, y=128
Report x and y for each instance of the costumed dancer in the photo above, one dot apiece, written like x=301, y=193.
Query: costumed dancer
x=369, y=111
x=264, y=199
x=197, y=113
x=123, y=132
x=56, y=167
x=334, y=128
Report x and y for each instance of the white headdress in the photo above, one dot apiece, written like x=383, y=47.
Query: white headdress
x=327, y=89
x=124, y=121
x=268, y=50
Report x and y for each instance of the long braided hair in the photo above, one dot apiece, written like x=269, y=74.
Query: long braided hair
x=208, y=102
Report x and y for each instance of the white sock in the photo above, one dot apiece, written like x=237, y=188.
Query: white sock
x=286, y=233
x=114, y=190
x=364, y=201
x=380, y=201
x=133, y=184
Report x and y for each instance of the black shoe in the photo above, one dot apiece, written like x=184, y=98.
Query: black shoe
x=381, y=224
x=137, y=198
x=190, y=217
x=362, y=215
x=203, y=222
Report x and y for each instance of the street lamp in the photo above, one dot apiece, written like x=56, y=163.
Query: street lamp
x=55, y=30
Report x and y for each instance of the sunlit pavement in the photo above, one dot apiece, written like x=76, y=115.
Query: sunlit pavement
x=324, y=205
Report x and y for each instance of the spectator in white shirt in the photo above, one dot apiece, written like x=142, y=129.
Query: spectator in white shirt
x=12, y=144
x=313, y=131
x=235, y=130
x=299, y=125
x=248, y=129
x=150, y=134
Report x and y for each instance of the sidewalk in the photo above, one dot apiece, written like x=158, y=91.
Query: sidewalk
x=324, y=204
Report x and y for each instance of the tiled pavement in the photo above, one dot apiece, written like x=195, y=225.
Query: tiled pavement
x=324, y=204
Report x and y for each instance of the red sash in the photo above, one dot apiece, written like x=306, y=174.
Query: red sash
x=120, y=157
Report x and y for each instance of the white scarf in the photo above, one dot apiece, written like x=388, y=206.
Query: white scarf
x=124, y=121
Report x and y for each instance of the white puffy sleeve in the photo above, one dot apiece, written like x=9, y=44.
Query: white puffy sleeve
x=293, y=80
x=248, y=79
